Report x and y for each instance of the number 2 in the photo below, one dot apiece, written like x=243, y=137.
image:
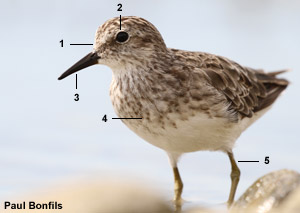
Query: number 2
x=120, y=7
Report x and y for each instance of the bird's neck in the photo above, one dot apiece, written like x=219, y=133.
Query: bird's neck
x=140, y=65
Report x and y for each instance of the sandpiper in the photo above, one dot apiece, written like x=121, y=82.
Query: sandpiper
x=188, y=101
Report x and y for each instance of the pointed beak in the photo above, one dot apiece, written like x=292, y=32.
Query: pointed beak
x=88, y=60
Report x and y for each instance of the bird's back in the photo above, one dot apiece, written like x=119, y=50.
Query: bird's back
x=247, y=90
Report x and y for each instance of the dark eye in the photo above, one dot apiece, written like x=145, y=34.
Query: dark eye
x=122, y=37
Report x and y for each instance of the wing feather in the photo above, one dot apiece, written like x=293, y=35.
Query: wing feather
x=246, y=89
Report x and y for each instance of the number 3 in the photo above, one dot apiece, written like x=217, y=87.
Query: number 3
x=77, y=97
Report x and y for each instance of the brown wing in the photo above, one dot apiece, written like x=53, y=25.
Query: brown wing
x=246, y=89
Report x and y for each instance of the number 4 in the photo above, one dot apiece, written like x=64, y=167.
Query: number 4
x=104, y=118
x=267, y=160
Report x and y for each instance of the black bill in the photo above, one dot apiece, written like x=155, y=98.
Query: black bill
x=88, y=60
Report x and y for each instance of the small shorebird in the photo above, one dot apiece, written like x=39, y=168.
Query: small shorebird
x=188, y=101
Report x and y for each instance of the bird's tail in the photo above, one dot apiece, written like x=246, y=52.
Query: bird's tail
x=273, y=85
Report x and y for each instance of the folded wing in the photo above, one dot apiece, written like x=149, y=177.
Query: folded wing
x=247, y=90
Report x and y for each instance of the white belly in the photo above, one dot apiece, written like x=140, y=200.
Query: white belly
x=196, y=133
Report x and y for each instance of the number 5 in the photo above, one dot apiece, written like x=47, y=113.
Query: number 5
x=267, y=160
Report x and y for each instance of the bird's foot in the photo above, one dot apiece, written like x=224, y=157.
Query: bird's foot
x=178, y=202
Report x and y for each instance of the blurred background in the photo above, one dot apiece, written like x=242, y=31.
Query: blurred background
x=47, y=137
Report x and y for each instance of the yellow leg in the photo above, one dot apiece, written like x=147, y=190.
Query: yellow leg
x=177, y=187
x=235, y=177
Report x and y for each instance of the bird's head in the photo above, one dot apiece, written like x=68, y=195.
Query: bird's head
x=137, y=42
